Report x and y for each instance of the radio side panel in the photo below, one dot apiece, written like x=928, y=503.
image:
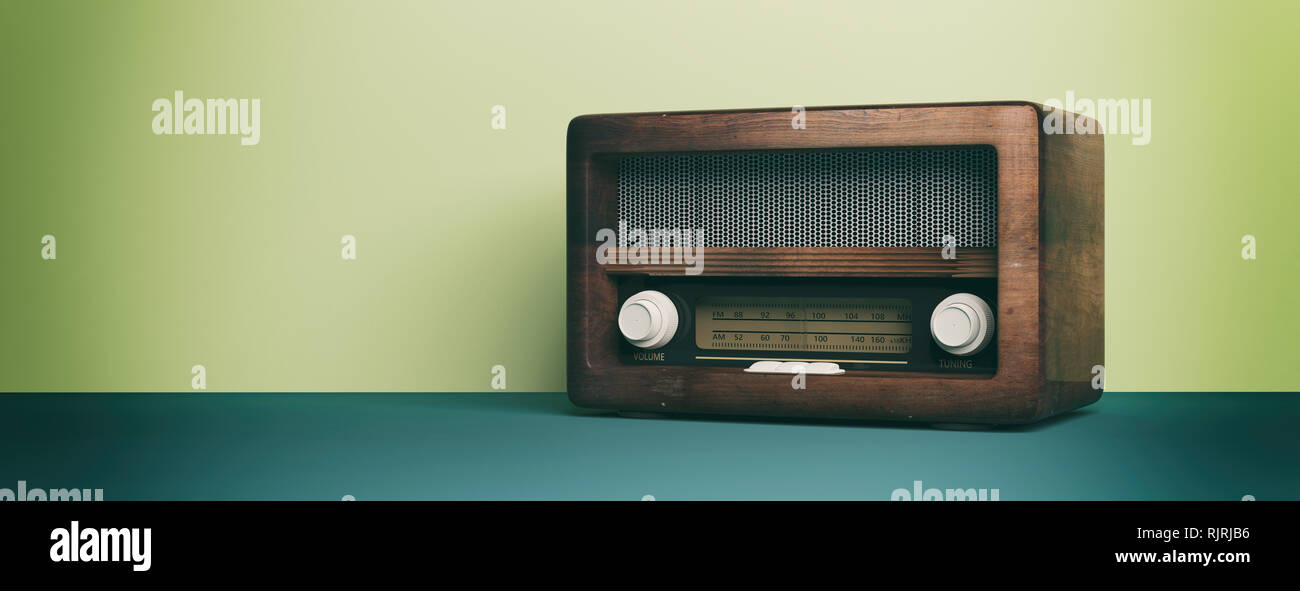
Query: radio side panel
x=1073, y=266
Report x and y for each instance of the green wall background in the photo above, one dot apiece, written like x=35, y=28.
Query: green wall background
x=175, y=251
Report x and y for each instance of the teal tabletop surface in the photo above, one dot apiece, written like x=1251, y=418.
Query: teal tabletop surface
x=1128, y=446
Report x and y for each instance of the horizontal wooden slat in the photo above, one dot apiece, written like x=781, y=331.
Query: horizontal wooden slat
x=828, y=262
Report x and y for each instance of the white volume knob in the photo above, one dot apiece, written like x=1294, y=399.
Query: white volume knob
x=962, y=324
x=648, y=319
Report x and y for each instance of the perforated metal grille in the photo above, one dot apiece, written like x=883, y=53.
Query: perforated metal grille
x=877, y=198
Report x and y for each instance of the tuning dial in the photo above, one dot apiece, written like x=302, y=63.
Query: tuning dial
x=648, y=319
x=962, y=324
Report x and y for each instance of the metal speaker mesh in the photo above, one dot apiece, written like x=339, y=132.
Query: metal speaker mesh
x=877, y=198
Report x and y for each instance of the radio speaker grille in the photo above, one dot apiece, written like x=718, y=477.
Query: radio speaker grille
x=876, y=198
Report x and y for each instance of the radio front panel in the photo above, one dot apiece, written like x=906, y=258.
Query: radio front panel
x=857, y=324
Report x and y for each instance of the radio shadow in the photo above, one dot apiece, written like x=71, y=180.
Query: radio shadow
x=557, y=404
x=1048, y=423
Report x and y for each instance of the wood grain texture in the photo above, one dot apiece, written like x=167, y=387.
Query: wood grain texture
x=823, y=262
x=1017, y=393
x=1073, y=282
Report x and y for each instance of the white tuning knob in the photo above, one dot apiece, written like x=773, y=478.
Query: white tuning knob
x=962, y=324
x=648, y=319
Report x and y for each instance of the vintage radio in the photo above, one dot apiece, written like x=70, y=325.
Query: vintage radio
x=928, y=263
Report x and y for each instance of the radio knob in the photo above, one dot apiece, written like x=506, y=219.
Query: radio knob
x=648, y=319
x=962, y=324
